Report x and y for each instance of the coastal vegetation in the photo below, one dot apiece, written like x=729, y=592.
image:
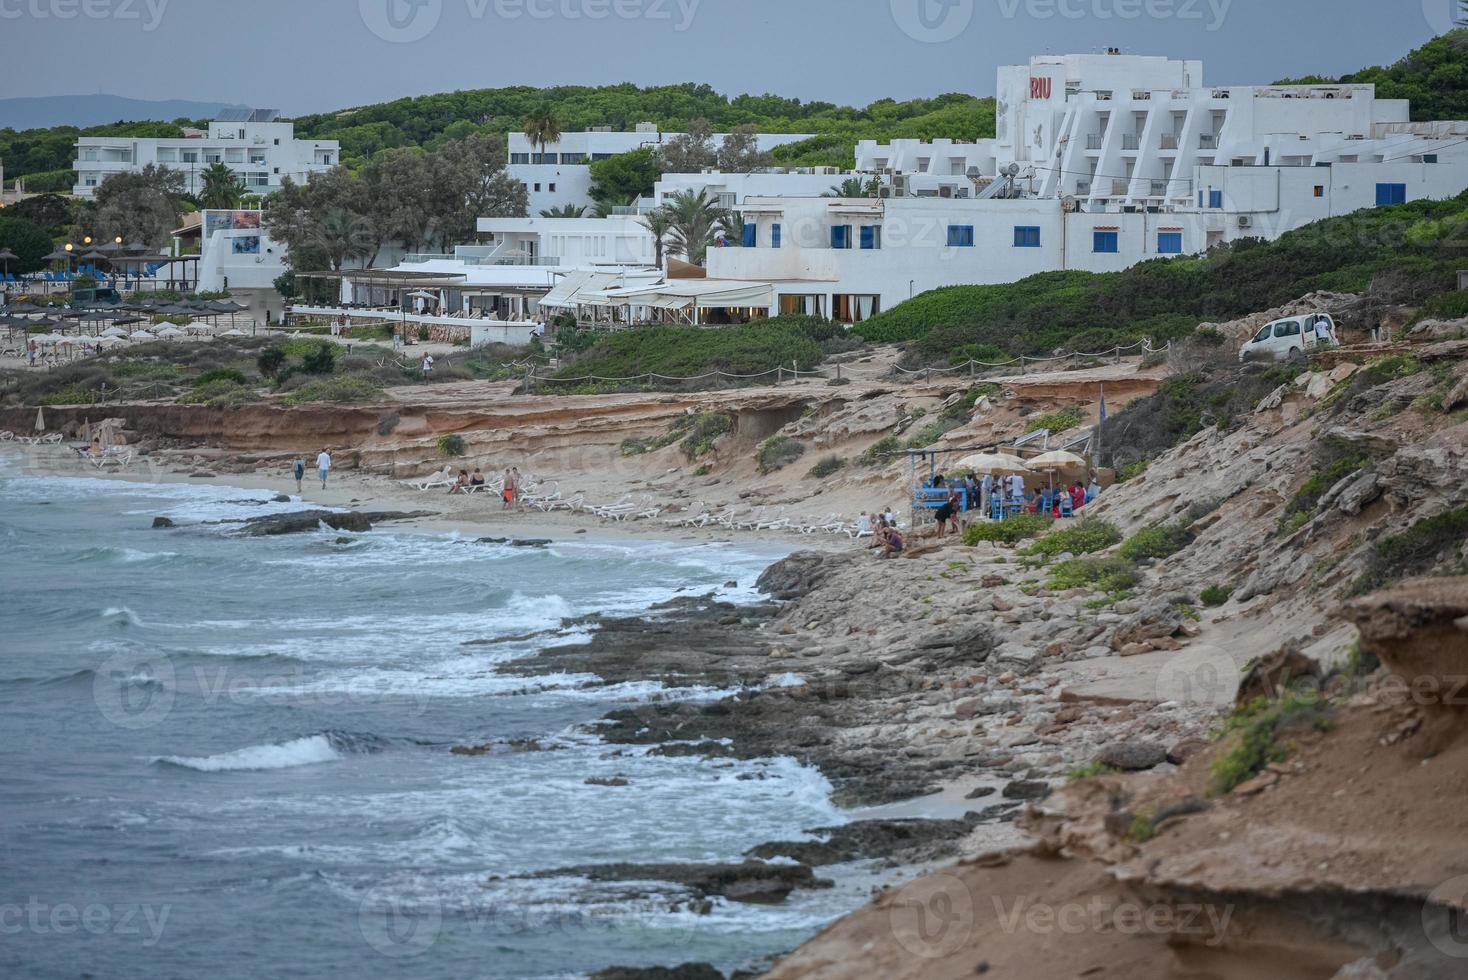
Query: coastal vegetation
x=1253, y=733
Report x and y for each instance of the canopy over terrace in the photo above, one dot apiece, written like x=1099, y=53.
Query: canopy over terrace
x=381, y=287
x=683, y=301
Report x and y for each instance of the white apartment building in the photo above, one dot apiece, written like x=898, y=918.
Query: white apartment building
x=260, y=150
x=559, y=174
x=620, y=240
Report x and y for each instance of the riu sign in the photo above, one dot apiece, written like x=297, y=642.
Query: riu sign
x=1040, y=88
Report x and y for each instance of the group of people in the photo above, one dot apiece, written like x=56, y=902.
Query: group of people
x=1009, y=492
x=510, y=494
x=323, y=468
x=887, y=538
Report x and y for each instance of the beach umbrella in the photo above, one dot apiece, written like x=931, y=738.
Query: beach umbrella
x=143, y=335
x=169, y=333
x=40, y=421
x=7, y=257
x=1058, y=460
x=199, y=326
x=125, y=320
x=993, y=463
x=233, y=333
x=113, y=332
x=109, y=340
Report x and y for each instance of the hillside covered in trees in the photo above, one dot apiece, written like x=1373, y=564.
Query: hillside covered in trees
x=1434, y=77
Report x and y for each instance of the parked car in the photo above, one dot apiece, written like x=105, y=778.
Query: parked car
x=1291, y=337
x=101, y=296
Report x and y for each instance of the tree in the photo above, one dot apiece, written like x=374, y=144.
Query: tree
x=138, y=205
x=27, y=240
x=397, y=182
x=658, y=222
x=852, y=187
x=51, y=212
x=692, y=218
x=624, y=176
x=469, y=182
x=691, y=152
x=565, y=211
x=542, y=127
x=740, y=152
x=222, y=189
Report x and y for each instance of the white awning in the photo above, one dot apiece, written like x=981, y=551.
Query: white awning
x=703, y=293
x=594, y=288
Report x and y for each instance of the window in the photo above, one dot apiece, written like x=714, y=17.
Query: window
x=840, y=236
x=551, y=188
x=960, y=236
x=1429, y=158
x=1105, y=241
x=543, y=158
x=601, y=156
x=1287, y=328
x=1391, y=194
x=1215, y=199
x=775, y=231
x=1169, y=243
x=573, y=158
x=1026, y=236
x=871, y=236
x=537, y=188
x=751, y=235
x=1264, y=333
x=1319, y=190
x=519, y=158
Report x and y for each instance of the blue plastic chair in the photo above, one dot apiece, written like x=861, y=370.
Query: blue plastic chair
x=996, y=507
x=1067, y=509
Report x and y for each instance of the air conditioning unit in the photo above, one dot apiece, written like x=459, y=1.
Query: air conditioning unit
x=884, y=192
x=899, y=185
x=945, y=191
x=1245, y=221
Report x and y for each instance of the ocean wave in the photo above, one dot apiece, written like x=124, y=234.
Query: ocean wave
x=310, y=750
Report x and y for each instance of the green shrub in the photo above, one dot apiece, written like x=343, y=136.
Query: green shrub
x=1254, y=728
x=221, y=374
x=1114, y=576
x=219, y=393
x=1157, y=541
x=1216, y=595
x=701, y=432
x=1061, y=421
x=877, y=453
x=1132, y=470
x=269, y=361
x=303, y=347
x=1307, y=498
x=451, y=445
x=1010, y=531
x=828, y=466
x=320, y=360
x=1416, y=551
x=932, y=432
x=335, y=390
x=70, y=395
x=1080, y=537
x=1089, y=771
x=778, y=452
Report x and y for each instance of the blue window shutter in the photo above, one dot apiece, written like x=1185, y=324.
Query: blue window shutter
x=775, y=236
x=750, y=233
x=840, y=236
x=1391, y=194
x=1026, y=236
x=1105, y=241
x=869, y=236
x=1215, y=199
x=1169, y=243
x=960, y=236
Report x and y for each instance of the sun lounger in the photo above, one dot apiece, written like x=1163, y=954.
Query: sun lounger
x=443, y=478
x=693, y=514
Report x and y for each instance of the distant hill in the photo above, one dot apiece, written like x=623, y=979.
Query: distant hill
x=95, y=110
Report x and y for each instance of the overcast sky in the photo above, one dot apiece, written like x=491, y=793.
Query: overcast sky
x=313, y=55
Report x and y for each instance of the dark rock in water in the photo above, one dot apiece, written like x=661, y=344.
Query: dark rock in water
x=303, y=521
x=1003, y=812
x=1132, y=756
x=750, y=882
x=280, y=498
x=607, y=781
x=979, y=792
x=202, y=475
x=1027, y=789
x=163, y=522
x=797, y=575
x=917, y=840
x=688, y=971
x=518, y=542
x=472, y=749
x=343, y=541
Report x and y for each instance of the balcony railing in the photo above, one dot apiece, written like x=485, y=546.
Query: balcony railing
x=1120, y=187
x=1208, y=141
x=1093, y=141
x=1083, y=188
x=1169, y=141
x=1130, y=141
x=1158, y=188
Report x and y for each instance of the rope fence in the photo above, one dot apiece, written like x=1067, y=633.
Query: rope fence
x=1116, y=353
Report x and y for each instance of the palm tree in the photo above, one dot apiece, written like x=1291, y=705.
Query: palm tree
x=221, y=189
x=850, y=187
x=692, y=218
x=542, y=127
x=565, y=211
x=658, y=222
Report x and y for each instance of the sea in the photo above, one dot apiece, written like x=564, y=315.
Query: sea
x=225, y=756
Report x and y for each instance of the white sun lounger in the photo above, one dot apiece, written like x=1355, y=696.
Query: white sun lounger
x=443, y=478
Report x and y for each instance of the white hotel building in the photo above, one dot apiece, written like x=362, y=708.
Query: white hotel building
x=559, y=174
x=260, y=150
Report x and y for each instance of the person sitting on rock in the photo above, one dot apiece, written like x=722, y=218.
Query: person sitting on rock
x=892, y=544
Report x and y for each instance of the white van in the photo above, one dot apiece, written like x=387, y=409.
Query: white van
x=1290, y=337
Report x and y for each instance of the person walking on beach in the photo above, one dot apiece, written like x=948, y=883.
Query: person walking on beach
x=300, y=471
x=323, y=466
x=507, y=497
x=427, y=366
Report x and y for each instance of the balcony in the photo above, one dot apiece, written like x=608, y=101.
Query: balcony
x=1157, y=188
x=1120, y=188
x=1208, y=141
x=1093, y=141
x=1131, y=141
x=1083, y=188
x=1169, y=141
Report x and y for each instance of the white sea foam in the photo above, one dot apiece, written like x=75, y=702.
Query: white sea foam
x=309, y=751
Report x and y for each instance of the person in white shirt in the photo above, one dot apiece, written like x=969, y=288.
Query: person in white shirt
x=1016, y=486
x=427, y=365
x=323, y=466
